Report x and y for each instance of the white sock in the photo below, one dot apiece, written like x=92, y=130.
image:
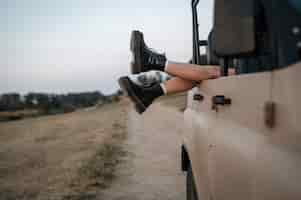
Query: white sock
x=163, y=88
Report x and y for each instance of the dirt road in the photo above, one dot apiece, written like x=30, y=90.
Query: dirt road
x=105, y=153
x=153, y=168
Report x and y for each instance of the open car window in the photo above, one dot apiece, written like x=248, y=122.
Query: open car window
x=205, y=15
x=296, y=4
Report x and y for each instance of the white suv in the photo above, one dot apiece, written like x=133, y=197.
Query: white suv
x=243, y=133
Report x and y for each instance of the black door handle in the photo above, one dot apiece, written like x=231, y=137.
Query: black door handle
x=198, y=97
x=220, y=100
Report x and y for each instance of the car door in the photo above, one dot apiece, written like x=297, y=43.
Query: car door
x=278, y=164
x=198, y=118
x=233, y=133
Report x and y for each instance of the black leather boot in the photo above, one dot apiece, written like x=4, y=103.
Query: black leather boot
x=144, y=59
x=142, y=97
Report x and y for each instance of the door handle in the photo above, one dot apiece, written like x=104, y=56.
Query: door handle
x=220, y=100
x=198, y=97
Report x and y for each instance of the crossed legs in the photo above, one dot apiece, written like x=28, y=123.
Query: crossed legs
x=184, y=76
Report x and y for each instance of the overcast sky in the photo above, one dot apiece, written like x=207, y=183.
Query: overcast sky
x=80, y=45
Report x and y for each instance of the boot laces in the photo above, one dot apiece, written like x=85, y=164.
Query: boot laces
x=154, y=57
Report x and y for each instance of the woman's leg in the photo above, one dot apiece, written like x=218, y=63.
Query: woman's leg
x=145, y=59
x=169, y=84
x=176, y=85
x=143, y=97
x=192, y=72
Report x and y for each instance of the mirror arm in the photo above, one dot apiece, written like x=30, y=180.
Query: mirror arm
x=225, y=66
x=203, y=43
x=195, y=25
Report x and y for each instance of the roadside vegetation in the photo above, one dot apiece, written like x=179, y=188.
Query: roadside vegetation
x=14, y=106
x=99, y=171
x=63, y=157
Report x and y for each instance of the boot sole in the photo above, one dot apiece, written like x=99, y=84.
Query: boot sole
x=125, y=84
x=136, y=48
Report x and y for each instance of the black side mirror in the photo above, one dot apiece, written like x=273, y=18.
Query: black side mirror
x=234, y=28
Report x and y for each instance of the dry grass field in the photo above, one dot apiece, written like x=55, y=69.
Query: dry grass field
x=16, y=115
x=69, y=156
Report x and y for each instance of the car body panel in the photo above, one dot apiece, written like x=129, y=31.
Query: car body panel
x=279, y=164
x=234, y=154
x=196, y=141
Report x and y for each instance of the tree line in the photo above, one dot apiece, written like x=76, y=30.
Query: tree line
x=54, y=103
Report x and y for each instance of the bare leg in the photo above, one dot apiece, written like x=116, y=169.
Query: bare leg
x=143, y=97
x=177, y=84
x=192, y=72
